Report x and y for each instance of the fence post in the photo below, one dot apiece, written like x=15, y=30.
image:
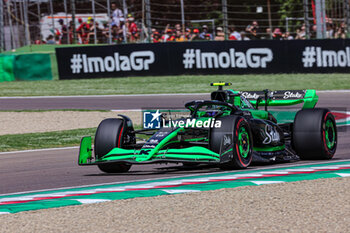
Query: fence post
x=182, y=16
x=143, y=22
x=306, y=19
x=269, y=15
x=39, y=17
x=347, y=17
x=109, y=22
x=319, y=33
x=323, y=15
x=2, y=47
x=10, y=24
x=26, y=24
x=65, y=11
x=94, y=16
x=72, y=6
x=52, y=18
x=125, y=13
x=17, y=40
x=225, y=22
x=148, y=20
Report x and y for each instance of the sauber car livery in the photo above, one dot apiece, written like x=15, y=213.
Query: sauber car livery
x=238, y=133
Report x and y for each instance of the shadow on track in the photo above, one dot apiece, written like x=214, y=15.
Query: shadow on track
x=181, y=170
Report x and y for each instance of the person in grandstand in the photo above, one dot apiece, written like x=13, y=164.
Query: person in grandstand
x=63, y=33
x=82, y=31
x=195, y=36
x=277, y=34
x=313, y=32
x=179, y=37
x=301, y=34
x=234, y=35
x=132, y=29
x=253, y=30
x=178, y=27
x=268, y=35
x=244, y=36
x=287, y=36
x=341, y=32
x=70, y=31
x=220, y=35
x=205, y=32
x=207, y=36
x=329, y=30
x=156, y=38
x=117, y=15
x=50, y=40
x=94, y=28
x=188, y=34
x=168, y=36
x=117, y=34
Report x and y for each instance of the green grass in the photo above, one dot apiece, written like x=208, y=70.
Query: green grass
x=41, y=48
x=60, y=110
x=49, y=49
x=174, y=84
x=54, y=139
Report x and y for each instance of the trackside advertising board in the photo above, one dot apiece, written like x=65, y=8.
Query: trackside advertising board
x=209, y=57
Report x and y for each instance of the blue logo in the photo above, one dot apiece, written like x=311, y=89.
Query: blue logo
x=151, y=119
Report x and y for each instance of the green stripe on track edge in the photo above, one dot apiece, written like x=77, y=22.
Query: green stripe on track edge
x=99, y=193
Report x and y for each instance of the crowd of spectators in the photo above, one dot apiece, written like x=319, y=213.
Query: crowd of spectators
x=122, y=29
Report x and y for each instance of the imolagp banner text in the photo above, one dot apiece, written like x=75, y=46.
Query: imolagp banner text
x=212, y=57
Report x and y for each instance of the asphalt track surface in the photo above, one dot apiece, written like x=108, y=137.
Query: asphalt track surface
x=48, y=169
x=339, y=100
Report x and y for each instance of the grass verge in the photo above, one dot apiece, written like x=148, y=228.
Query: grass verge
x=174, y=84
x=55, y=139
x=55, y=110
x=14, y=142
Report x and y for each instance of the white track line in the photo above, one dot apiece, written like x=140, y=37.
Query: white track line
x=134, y=95
x=126, y=110
x=39, y=150
x=333, y=91
x=171, y=177
x=98, y=96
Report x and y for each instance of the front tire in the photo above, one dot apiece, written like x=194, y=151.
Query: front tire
x=109, y=135
x=315, y=134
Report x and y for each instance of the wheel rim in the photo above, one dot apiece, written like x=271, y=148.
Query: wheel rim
x=329, y=134
x=243, y=141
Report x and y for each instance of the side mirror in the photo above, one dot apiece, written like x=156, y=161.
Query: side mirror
x=267, y=97
x=258, y=101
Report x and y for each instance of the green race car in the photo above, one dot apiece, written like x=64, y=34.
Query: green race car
x=229, y=131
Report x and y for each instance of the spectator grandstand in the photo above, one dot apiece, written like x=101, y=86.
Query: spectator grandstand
x=131, y=21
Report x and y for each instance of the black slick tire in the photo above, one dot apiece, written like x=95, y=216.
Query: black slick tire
x=315, y=134
x=109, y=135
x=241, y=141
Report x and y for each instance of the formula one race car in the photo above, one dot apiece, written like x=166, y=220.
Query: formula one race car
x=229, y=131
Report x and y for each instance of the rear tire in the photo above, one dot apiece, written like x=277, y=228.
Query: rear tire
x=109, y=135
x=315, y=134
x=242, y=145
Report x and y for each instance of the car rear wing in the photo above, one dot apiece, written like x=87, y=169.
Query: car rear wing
x=282, y=97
